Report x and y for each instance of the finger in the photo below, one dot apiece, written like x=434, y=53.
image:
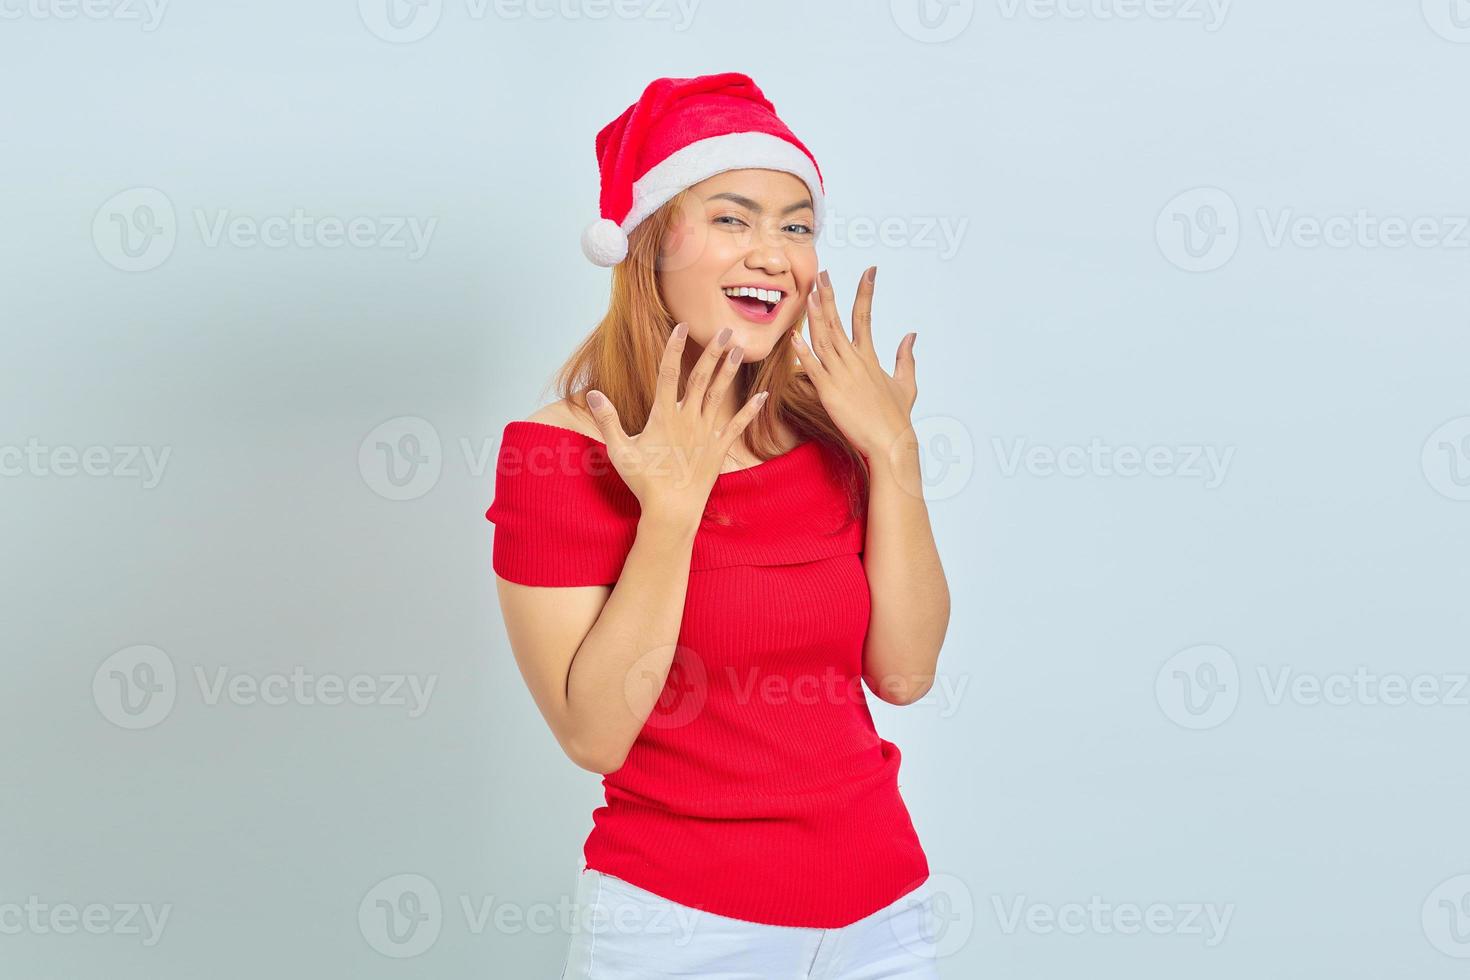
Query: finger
x=606, y=418
x=704, y=370
x=862, y=312
x=903, y=363
x=821, y=342
x=666, y=394
x=809, y=362
x=729, y=365
x=737, y=425
x=829, y=313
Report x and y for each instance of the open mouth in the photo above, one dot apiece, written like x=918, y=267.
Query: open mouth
x=754, y=303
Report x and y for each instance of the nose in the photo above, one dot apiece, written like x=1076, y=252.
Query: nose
x=768, y=253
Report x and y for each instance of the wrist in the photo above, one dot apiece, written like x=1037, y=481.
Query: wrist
x=669, y=522
x=899, y=465
x=898, y=450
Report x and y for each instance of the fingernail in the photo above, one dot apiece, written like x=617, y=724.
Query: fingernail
x=594, y=398
x=724, y=336
x=680, y=330
x=761, y=398
x=826, y=280
x=871, y=275
x=735, y=354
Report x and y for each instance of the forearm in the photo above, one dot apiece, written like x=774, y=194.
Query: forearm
x=910, y=596
x=619, y=670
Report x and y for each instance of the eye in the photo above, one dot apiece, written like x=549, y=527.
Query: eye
x=800, y=228
x=730, y=218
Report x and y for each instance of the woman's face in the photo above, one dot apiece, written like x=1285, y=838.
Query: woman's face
x=750, y=228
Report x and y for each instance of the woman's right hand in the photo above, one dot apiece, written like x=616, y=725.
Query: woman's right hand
x=672, y=464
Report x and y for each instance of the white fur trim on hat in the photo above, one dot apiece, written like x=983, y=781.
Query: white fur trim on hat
x=693, y=163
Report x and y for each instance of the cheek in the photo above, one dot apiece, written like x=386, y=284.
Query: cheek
x=804, y=270
x=804, y=266
x=687, y=272
x=685, y=246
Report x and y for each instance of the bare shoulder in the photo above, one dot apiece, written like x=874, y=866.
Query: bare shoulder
x=568, y=416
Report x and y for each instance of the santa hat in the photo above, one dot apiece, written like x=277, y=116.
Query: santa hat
x=679, y=132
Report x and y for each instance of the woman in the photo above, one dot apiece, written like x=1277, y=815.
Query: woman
x=697, y=607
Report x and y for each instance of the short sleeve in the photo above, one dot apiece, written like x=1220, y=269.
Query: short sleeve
x=562, y=515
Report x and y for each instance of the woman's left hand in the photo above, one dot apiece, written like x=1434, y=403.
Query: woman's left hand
x=869, y=405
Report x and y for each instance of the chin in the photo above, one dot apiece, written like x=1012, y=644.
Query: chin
x=755, y=353
x=756, y=338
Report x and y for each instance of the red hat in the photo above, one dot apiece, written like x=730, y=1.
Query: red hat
x=680, y=131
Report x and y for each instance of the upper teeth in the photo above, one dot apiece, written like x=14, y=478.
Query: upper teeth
x=764, y=295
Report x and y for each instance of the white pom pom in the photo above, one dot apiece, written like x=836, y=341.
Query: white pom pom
x=604, y=242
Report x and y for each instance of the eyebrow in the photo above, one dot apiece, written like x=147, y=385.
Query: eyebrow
x=752, y=206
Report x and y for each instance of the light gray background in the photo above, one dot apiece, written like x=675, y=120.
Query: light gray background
x=1068, y=759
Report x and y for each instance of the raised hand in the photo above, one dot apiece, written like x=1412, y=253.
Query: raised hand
x=672, y=464
x=869, y=405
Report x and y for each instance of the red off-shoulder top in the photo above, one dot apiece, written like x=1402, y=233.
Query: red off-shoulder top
x=759, y=788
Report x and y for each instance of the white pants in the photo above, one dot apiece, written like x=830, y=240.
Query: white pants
x=623, y=932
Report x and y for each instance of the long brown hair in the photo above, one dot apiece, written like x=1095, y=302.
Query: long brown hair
x=620, y=358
